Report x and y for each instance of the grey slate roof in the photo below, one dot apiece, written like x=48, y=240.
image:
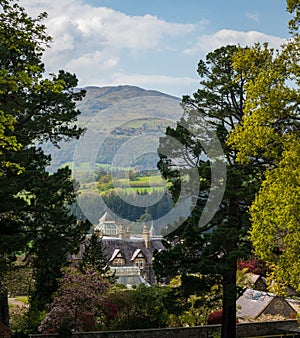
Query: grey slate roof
x=129, y=247
x=252, y=303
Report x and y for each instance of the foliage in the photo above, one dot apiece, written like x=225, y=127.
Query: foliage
x=105, y=182
x=254, y=265
x=25, y=319
x=18, y=320
x=275, y=216
x=7, y=142
x=80, y=304
x=293, y=7
x=34, y=216
x=141, y=308
x=19, y=280
x=269, y=134
x=180, y=304
x=271, y=109
x=196, y=296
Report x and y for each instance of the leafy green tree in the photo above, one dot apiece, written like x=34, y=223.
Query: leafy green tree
x=269, y=133
x=213, y=249
x=33, y=213
x=105, y=183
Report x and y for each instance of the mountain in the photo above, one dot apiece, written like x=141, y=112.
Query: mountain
x=100, y=98
x=117, y=114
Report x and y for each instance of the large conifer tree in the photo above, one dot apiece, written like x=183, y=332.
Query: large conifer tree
x=213, y=249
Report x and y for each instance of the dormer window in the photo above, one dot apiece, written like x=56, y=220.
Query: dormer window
x=117, y=258
x=139, y=259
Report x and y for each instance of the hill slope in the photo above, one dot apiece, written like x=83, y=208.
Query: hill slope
x=115, y=113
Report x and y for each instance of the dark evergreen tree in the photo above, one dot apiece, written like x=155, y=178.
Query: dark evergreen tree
x=214, y=249
x=93, y=255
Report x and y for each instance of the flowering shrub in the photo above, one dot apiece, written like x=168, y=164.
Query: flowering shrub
x=215, y=318
x=255, y=266
x=80, y=304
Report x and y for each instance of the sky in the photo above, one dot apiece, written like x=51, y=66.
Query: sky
x=153, y=44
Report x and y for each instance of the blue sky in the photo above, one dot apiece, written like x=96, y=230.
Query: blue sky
x=154, y=44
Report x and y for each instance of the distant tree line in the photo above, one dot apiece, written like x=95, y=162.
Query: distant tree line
x=132, y=212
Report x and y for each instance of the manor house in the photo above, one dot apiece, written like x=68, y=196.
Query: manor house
x=129, y=255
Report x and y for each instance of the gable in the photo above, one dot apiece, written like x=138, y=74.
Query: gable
x=279, y=306
x=138, y=253
x=116, y=254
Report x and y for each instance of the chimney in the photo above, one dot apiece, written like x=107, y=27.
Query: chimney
x=146, y=236
x=97, y=232
x=127, y=233
x=122, y=233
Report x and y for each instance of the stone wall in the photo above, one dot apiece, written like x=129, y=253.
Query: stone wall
x=243, y=330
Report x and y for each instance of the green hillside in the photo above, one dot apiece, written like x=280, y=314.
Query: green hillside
x=119, y=124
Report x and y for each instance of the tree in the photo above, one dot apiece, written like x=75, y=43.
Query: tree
x=80, y=304
x=93, y=255
x=269, y=133
x=214, y=248
x=38, y=108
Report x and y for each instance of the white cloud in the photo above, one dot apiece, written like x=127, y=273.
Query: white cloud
x=206, y=43
x=97, y=42
x=91, y=26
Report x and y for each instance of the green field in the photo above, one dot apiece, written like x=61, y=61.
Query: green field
x=140, y=184
x=143, y=184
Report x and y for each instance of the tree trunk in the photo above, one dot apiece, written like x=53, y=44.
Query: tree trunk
x=4, y=311
x=229, y=303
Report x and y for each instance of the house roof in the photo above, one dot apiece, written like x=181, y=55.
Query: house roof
x=129, y=275
x=106, y=218
x=130, y=248
x=136, y=253
x=252, y=303
x=253, y=278
x=107, y=225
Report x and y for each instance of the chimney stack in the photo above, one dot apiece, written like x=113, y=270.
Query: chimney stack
x=127, y=235
x=122, y=233
x=146, y=236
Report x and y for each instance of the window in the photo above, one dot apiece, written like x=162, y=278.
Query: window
x=118, y=261
x=140, y=262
